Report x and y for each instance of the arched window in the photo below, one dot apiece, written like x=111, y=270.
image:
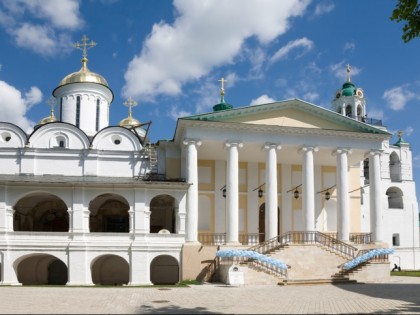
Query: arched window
x=359, y=113
x=395, y=198
x=394, y=167
x=349, y=111
x=366, y=170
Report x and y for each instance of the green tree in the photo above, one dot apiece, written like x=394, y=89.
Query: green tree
x=409, y=12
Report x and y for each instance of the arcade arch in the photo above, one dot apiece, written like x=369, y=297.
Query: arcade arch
x=41, y=212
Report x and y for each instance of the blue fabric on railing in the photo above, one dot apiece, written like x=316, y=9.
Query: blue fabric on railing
x=253, y=255
x=367, y=256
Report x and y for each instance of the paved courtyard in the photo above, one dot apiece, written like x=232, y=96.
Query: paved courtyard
x=400, y=295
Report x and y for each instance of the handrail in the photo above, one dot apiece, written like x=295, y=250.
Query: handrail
x=306, y=237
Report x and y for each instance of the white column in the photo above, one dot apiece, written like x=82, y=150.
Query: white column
x=343, y=210
x=375, y=192
x=308, y=190
x=271, y=196
x=192, y=195
x=232, y=193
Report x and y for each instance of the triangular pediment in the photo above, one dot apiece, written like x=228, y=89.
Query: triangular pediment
x=291, y=113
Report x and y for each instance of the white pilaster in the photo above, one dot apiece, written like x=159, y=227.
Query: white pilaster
x=308, y=190
x=79, y=215
x=375, y=196
x=79, y=271
x=343, y=210
x=232, y=193
x=192, y=195
x=271, y=196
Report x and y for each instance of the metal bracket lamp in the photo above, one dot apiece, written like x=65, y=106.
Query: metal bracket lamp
x=223, y=189
x=296, y=193
x=327, y=192
x=260, y=191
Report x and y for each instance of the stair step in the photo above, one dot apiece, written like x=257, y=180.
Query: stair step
x=315, y=281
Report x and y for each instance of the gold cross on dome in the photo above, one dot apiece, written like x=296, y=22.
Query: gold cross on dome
x=51, y=103
x=223, y=85
x=84, y=46
x=400, y=133
x=130, y=103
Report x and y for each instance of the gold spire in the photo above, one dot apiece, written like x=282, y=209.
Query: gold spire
x=348, y=73
x=84, y=46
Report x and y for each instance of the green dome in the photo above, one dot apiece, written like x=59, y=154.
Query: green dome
x=222, y=106
x=348, y=89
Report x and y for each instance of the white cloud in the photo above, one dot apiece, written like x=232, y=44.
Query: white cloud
x=176, y=113
x=303, y=43
x=408, y=131
x=60, y=14
x=13, y=106
x=34, y=96
x=398, y=97
x=47, y=33
x=323, y=8
x=197, y=41
x=311, y=97
x=263, y=99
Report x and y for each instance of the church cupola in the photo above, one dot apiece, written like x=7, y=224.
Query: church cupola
x=84, y=96
x=130, y=122
x=51, y=117
x=350, y=100
x=222, y=105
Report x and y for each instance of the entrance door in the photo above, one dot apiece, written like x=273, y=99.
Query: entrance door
x=261, y=223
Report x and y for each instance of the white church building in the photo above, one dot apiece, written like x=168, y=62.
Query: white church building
x=86, y=203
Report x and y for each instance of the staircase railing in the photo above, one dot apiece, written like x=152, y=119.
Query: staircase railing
x=306, y=237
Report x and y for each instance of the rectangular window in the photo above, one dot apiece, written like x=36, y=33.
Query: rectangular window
x=97, y=114
x=395, y=239
x=78, y=111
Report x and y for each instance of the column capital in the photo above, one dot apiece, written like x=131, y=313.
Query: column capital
x=229, y=144
x=196, y=142
x=342, y=150
x=269, y=145
x=308, y=149
x=375, y=152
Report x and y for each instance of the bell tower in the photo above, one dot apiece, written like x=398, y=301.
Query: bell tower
x=350, y=100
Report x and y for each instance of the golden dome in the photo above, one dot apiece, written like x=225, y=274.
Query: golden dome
x=129, y=122
x=48, y=119
x=84, y=75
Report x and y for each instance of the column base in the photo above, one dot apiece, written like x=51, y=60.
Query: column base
x=70, y=284
x=132, y=284
x=233, y=243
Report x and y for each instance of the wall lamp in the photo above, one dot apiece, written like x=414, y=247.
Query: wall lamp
x=327, y=192
x=260, y=191
x=296, y=191
x=223, y=189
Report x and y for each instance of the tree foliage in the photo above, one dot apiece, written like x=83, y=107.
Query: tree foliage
x=409, y=12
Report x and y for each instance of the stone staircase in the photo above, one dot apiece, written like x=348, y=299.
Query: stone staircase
x=312, y=257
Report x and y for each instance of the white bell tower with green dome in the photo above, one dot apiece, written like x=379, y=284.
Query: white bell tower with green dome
x=350, y=101
x=84, y=97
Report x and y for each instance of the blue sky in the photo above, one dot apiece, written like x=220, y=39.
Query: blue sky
x=169, y=55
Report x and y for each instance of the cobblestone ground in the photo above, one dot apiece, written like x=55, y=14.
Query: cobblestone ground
x=400, y=295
